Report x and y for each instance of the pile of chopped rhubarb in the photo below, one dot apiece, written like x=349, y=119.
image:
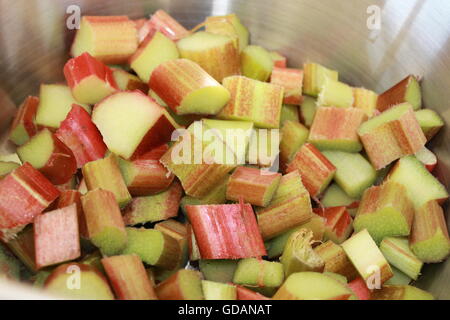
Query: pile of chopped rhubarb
x=190, y=164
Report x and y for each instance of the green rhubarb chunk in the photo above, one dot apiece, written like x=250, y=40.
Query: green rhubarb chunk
x=315, y=76
x=335, y=94
x=434, y=249
x=293, y=136
x=190, y=284
x=153, y=247
x=218, y=291
x=259, y=273
x=275, y=246
x=335, y=196
x=420, y=184
x=110, y=240
x=10, y=267
x=158, y=50
x=256, y=63
x=398, y=254
x=399, y=278
x=218, y=270
x=391, y=114
x=337, y=276
x=298, y=254
x=289, y=112
x=401, y=292
x=413, y=93
x=430, y=122
x=308, y=110
x=353, y=174
x=6, y=167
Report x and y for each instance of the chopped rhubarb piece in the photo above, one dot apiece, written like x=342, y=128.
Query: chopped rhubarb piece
x=291, y=80
x=183, y=285
x=308, y=110
x=105, y=174
x=420, y=184
x=228, y=231
x=163, y=22
x=217, y=195
x=338, y=223
x=354, y=173
x=129, y=82
x=218, y=270
x=429, y=237
x=252, y=185
x=194, y=251
x=316, y=225
x=90, y=284
x=129, y=278
x=154, y=247
x=104, y=221
x=279, y=61
x=360, y=289
x=263, y=149
x=256, y=63
x=198, y=172
x=24, y=194
x=427, y=157
x=289, y=112
x=89, y=79
x=146, y=175
x=335, y=94
x=187, y=88
x=23, y=126
x=23, y=247
x=56, y=237
x=367, y=259
x=258, y=274
x=335, y=196
x=80, y=134
x=264, y=111
x=314, y=78
x=50, y=156
x=10, y=267
x=314, y=168
x=397, y=252
x=407, y=90
x=313, y=286
x=290, y=207
x=228, y=25
x=217, y=54
x=69, y=197
x=336, y=260
x=430, y=122
x=298, y=254
x=244, y=293
x=155, y=49
x=385, y=211
x=399, y=278
x=110, y=39
x=391, y=135
x=178, y=231
x=154, y=208
x=293, y=136
x=336, y=129
x=55, y=102
x=218, y=290
x=146, y=124
x=401, y=292
x=7, y=167
x=365, y=100
x=10, y=157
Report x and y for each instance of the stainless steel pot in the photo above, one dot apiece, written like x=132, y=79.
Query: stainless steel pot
x=409, y=37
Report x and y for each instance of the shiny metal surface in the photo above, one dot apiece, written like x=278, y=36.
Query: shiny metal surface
x=414, y=37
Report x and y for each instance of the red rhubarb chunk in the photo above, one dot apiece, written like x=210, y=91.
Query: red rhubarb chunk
x=360, y=289
x=24, y=194
x=228, y=231
x=56, y=237
x=81, y=135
